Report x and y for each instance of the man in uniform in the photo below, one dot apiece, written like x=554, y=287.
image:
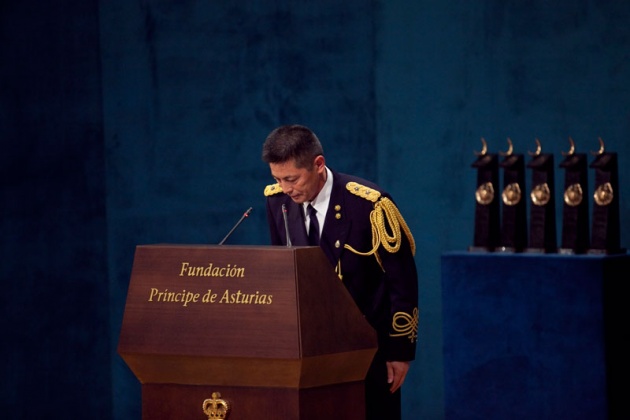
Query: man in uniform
x=366, y=240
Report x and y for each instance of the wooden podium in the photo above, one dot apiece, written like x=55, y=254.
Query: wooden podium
x=270, y=332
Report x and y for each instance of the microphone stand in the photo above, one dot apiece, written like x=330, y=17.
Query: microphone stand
x=286, y=224
x=249, y=210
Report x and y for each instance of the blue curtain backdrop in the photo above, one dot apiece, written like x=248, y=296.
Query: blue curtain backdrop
x=135, y=122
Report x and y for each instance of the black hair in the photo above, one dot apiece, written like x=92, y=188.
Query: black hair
x=292, y=142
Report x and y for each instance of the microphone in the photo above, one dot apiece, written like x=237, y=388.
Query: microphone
x=286, y=224
x=249, y=210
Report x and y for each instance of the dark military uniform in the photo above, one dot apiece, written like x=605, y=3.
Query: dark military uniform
x=384, y=283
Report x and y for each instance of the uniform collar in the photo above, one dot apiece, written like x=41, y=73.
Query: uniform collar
x=321, y=200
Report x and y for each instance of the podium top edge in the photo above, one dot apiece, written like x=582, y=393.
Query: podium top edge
x=210, y=246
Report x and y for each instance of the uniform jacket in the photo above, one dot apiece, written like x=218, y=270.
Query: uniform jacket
x=387, y=296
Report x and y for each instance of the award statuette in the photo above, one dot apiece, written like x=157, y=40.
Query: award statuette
x=542, y=211
x=575, y=238
x=605, y=228
x=513, y=216
x=486, y=236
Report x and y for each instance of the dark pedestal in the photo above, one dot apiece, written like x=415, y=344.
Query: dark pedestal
x=542, y=210
x=514, y=208
x=605, y=238
x=535, y=336
x=487, y=216
x=575, y=234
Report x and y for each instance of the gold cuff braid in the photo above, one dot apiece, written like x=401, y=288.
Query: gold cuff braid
x=406, y=325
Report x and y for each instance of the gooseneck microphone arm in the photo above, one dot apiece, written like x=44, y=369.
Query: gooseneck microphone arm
x=243, y=217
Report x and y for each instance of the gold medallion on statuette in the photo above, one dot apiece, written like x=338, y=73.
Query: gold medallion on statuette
x=511, y=194
x=541, y=194
x=604, y=194
x=573, y=195
x=485, y=193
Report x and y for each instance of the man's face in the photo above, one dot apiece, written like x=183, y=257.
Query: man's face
x=301, y=184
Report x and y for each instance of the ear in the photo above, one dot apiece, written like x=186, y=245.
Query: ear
x=320, y=163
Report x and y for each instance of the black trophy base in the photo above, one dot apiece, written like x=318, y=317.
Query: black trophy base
x=539, y=251
x=570, y=251
x=595, y=251
x=507, y=249
x=480, y=249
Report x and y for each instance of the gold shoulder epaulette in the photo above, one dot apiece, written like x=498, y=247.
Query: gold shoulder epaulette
x=272, y=189
x=363, y=191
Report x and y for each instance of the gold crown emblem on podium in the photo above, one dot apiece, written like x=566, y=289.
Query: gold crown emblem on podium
x=215, y=407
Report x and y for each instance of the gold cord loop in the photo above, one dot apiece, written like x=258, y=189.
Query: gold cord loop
x=386, y=211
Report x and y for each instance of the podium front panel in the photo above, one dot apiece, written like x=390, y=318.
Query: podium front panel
x=184, y=304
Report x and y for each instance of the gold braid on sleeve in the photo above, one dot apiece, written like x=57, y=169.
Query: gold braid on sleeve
x=384, y=213
x=406, y=325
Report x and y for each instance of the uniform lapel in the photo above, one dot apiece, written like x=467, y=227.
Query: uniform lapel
x=336, y=225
